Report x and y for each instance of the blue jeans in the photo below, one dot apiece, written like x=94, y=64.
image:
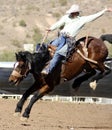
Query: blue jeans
x=57, y=58
x=59, y=42
x=64, y=45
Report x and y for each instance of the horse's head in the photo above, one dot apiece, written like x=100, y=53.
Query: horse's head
x=27, y=62
x=21, y=67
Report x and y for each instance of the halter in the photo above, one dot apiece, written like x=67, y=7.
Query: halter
x=18, y=75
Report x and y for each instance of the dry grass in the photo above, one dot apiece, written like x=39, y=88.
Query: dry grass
x=19, y=18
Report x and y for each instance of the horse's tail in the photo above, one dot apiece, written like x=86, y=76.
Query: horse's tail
x=108, y=59
x=106, y=37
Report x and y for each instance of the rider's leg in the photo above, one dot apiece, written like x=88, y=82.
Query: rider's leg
x=53, y=63
x=59, y=42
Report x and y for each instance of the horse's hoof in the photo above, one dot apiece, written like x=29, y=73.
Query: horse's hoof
x=93, y=85
x=16, y=114
x=24, y=119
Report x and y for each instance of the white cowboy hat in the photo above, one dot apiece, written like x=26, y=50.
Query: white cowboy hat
x=74, y=8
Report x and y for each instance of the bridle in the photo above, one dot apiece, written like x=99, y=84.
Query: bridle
x=18, y=74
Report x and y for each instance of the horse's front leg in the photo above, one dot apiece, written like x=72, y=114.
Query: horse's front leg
x=21, y=102
x=45, y=89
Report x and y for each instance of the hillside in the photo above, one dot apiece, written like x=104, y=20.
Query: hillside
x=25, y=21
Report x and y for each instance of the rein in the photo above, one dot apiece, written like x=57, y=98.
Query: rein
x=43, y=40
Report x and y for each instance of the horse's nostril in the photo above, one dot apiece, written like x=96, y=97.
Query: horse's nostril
x=10, y=81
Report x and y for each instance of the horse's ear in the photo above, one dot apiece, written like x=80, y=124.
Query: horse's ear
x=16, y=54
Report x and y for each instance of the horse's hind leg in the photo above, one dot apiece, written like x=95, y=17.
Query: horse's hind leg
x=77, y=82
x=45, y=89
x=21, y=102
x=104, y=71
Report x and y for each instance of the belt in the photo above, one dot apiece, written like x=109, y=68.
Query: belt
x=66, y=35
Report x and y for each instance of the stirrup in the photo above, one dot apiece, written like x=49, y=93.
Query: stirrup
x=64, y=61
x=44, y=73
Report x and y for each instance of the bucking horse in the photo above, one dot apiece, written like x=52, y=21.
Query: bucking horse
x=88, y=57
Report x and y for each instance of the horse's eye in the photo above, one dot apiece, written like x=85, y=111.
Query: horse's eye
x=23, y=65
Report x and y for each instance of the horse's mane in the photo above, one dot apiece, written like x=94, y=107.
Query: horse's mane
x=40, y=53
x=23, y=55
x=37, y=59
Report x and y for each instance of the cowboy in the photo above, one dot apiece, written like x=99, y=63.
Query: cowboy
x=72, y=23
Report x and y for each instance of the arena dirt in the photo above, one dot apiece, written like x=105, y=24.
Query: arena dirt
x=46, y=115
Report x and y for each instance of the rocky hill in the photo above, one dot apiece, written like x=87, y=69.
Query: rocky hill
x=25, y=21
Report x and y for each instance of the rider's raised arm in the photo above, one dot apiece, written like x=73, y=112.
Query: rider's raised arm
x=58, y=24
x=96, y=15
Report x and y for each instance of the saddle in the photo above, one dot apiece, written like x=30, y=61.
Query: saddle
x=71, y=49
x=84, y=46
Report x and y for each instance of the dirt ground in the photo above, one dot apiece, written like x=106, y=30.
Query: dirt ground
x=47, y=115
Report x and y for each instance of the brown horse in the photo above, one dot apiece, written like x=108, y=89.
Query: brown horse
x=91, y=62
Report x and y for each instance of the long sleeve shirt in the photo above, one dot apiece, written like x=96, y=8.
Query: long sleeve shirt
x=72, y=26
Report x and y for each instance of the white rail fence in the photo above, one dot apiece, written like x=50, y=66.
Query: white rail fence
x=70, y=99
